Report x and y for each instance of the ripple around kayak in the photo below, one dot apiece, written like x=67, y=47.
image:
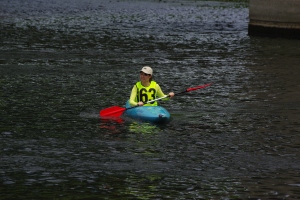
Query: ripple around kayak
x=153, y=114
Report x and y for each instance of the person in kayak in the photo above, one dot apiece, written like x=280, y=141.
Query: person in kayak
x=146, y=89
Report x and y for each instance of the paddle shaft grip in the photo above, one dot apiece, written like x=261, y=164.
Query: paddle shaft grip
x=157, y=99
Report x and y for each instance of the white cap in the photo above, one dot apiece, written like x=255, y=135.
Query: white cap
x=147, y=70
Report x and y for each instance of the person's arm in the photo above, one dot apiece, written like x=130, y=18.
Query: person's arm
x=160, y=93
x=132, y=96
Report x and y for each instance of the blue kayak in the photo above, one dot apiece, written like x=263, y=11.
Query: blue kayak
x=154, y=114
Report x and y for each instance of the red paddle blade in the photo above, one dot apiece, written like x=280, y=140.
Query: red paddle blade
x=114, y=111
x=198, y=87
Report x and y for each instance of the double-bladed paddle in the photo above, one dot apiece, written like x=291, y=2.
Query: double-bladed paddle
x=116, y=111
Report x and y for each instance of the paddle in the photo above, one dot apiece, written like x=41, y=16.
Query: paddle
x=116, y=111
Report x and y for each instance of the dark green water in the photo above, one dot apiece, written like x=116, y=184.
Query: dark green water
x=61, y=62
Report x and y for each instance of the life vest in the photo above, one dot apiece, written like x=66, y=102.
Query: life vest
x=145, y=94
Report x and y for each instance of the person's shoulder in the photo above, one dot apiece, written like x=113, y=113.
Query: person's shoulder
x=157, y=85
x=154, y=83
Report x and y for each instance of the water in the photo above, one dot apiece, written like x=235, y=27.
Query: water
x=63, y=61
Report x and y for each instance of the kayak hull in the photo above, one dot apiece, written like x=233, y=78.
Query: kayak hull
x=153, y=114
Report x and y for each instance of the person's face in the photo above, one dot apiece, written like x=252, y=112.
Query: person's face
x=145, y=76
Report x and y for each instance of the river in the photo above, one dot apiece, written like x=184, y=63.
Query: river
x=63, y=61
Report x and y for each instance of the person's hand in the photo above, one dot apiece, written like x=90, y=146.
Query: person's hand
x=171, y=94
x=140, y=103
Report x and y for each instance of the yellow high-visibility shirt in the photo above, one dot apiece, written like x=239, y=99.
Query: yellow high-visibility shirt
x=144, y=94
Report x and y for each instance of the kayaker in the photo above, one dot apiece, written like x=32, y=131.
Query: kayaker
x=146, y=89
